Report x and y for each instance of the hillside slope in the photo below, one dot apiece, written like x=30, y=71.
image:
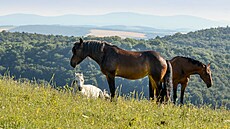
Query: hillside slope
x=27, y=105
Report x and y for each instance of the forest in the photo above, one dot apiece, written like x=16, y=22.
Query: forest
x=46, y=59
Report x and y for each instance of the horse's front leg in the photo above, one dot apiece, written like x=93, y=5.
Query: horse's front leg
x=182, y=92
x=183, y=86
x=111, y=82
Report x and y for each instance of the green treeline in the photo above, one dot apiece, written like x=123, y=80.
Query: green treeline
x=43, y=57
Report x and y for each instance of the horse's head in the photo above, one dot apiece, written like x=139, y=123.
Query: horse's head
x=206, y=75
x=79, y=78
x=78, y=54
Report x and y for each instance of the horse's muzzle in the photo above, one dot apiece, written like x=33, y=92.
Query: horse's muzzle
x=73, y=64
x=209, y=85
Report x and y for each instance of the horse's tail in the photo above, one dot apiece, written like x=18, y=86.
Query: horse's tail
x=168, y=80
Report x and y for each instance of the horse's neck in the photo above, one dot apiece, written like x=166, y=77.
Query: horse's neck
x=192, y=69
x=77, y=87
x=96, y=54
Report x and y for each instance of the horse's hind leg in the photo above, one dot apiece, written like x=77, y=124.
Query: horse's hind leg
x=151, y=90
x=163, y=92
x=153, y=86
x=159, y=92
x=174, y=93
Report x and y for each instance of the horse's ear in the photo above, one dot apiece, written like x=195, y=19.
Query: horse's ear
x=81, y=40
x=208, y=65
x=77, y=74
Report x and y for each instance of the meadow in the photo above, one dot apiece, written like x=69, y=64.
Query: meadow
x=32, y=105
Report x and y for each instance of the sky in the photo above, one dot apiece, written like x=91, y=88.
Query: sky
x=218, y=10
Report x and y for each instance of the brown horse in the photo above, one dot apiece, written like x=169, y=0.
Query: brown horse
x=115, y=61
x=183, y=67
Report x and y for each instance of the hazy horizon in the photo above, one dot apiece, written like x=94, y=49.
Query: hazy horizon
x=217, y=10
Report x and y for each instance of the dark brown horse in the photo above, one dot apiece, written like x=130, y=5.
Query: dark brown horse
x=183, y=67
x=115, y=61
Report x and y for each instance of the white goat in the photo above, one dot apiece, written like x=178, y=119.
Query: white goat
x=87, y=90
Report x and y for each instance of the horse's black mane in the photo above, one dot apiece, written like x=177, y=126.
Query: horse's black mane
x=193, y=61
x=97, y=42
x=95, y=45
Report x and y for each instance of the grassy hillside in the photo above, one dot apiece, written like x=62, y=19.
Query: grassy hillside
x=36, y=56
x=27, y=105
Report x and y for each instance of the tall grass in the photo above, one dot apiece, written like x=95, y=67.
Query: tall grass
x=27, y=105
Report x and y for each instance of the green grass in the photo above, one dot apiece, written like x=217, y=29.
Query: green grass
x=26, y=105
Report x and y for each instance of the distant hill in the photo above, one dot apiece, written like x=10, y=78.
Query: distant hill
x=113, y=30
x=53, y=29
x=6, y=28
x=122, y=18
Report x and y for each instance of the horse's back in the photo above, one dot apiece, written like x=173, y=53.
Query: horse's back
x=135, y=65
